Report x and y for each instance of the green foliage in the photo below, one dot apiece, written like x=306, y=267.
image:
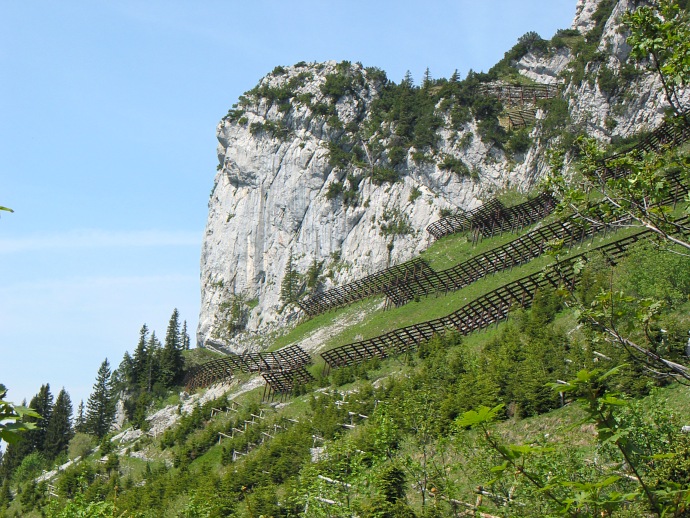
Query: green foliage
x=657, y=274
x=100, y=408
x=528, y=42
x=290, y=284
x=30, y=467
x=394, y=222
x=334, y=190
x=456, y=165
x=59, y=431
x=381, y=175
x=313, y=275
x=519, y=141
x=338, y=156
x=12, y=422
x=171, y=363
x=609, y=81
x=80, y=445
x=662, y=30
x=414, y=194
x=232, y=316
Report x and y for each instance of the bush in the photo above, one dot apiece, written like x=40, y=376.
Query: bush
x=520, y=141
x=608, y=81
x=414, y=194
x=80, y=445
x=456, y=165
x=381, y=175
x=334, y=190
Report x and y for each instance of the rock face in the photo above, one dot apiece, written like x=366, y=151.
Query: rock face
x=270, y=202
x=275, y=209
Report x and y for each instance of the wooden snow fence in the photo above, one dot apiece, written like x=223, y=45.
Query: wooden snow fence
x=282, y=383
x=290, y=357
x=493, y=217
x=361, y=288
x=518, y=95
x=669, y=134
x=480, y=313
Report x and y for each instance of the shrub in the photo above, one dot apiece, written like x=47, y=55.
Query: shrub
x=520, y=141
x=381, y=175
x=456, y=165
x=334, y=190
x=414, y=194
x=397, y=155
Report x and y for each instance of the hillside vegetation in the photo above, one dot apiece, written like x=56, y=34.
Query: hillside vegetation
x=573, y=401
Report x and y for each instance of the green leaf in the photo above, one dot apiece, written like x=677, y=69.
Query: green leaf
x=483, y=415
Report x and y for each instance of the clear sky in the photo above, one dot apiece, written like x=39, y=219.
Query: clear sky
x=108, y=113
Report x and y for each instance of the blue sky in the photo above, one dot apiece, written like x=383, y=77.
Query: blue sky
x=108, y=113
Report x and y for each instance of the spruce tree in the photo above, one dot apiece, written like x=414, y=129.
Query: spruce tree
x=43, y=404
x=125, y=372
x=141, y=360
x=100, y=408
x=59, y=431
x=80, y=422
x=5, y=495
x=288, y=286
x=171, y=357
x=184, y=337
x=151, y=372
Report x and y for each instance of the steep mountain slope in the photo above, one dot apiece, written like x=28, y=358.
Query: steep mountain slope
x=321, y=180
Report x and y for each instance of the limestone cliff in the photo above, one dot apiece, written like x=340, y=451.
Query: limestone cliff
x=314, y=187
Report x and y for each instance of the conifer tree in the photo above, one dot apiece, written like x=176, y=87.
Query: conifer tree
x=5, y=495
x=80, y=421
x=153, y=358
x=100, y=408
x=125, y=372
x=43, y=404
x=171, y=356
x=426, y=82
x=184, y=337
x=59, y=430
x=141, y=360
x=288, y=286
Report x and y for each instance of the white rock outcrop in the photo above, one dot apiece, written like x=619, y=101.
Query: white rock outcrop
x=272, y=200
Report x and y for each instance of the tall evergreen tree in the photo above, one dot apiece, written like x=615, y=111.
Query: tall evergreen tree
x=43, y=404
x=59, y=431
x=184, y=337
x=80, y=422
x=427, y=81
x=141, y=360
x=31, y=440
x=5, y=495
x=100, y=408
x=125, y=372
x=153, y=360
x=288, y=286
x=171, y=357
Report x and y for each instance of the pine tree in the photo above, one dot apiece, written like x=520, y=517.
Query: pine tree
x=5, y=495
x=125, y=372
x=100, y=408
x=43, y=404
x=153, y=358
x=407, y=80
x=288, y=286
x=59, y=431
x=80, y=422
x=171, y=357
x=426, y=82
x=184, y=337
x=140, y=360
